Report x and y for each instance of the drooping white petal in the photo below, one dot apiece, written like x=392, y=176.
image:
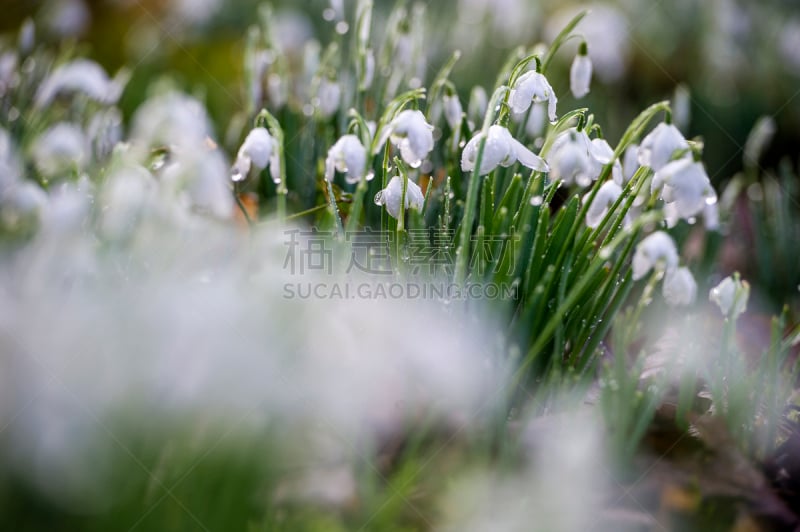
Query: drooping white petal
x=630, y=163
x=603, y=154
x=501, y=149
x=580, y=75
x=679, y=287
x=453, y=111
x=686, y=184
x=329, y=96
x=654, y=251
x=80, y=76
x=256, y=151
x=570, y=159
x=61, y=149
x=391, y=196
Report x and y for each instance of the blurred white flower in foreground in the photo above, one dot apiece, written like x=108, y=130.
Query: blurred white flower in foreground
x=679, y=287
x=731, y=296
x=80, y=76
x=392, y=196
x=347, y=155
x=654, y=251
x=412, y=134
x=257, y=151
x=602, y=153
x=580, y=73
x=60, y=151
x=329, y=96
x=533, y=87
x=659, y=146
x=453, y=112
x=500, y=149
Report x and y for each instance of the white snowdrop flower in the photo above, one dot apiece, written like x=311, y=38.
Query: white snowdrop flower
x=679, y=287
x=659, y=145
x=392, y=195
x=602, y=153
x=277, y=91
x=21, y=203
x=571, y=160
x=8, y=69
x=453, y=112
x=731, y=296
x=580, y=73
x=608, y=193
x=124, y=198
x=27, y=37
x=330, y=96
x=347, y=155
x=105, y=131
x=172, y=119
x=367, y=76
x=202, y=179
x=60, y=150
x=412, y=134
x=654, y=251
x=81, y=76
x=537, y=120
x=686, y=184
x=501, y=149
x=630, y=162
x=259, y=151
x=478, y=102
x=533, y=87
x=10, y=164
x=66, y=18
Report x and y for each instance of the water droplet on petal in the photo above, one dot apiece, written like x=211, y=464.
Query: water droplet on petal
x=342, y=27
x=415, y=164
x=370, y=175
x=237, y=175
x=691, y=220
x=536, y=201
x=711, y=200
x=379, y=198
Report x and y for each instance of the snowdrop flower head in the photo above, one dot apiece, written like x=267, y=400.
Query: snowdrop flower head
x=81, y=76
x=329, y=97
x=686, y=185
x=478, y=102
x=602, y=153
x=608, y=193
x=679, y=287
x=172, y=119
x=654, y=251
x=580, y=73
x=392, y=195
x=412, y=134
x=659, y=145
x=258, y=150
x=453, y=112
x=533, y=87
x=501, y=149
x=347, y=155
x=630, y=162
x=731, y=296
x=60, y=150
x=571, y=158
x=20, y=204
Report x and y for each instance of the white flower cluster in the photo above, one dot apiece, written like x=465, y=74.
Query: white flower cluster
x=658, y=251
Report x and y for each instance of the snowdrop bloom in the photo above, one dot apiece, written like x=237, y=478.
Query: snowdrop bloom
x=172, y=119
x=533, y=87
x=602, y=153
x=654, y=251
x=202, y=180
x=81, y=76
x=573, y=158
x=347, y=155
x=731, y=296
x=478, y=102
x=61, y=149
x=609, y=193
x=392, y=195
x=580, y=73
x=20, y=204
x=329, y=97
x=679, y=287
x=686, y=185
x=630, y=162
x=412, y=134
x=501, y=149
x=453, y=112
x=659, y=145
x=258, y=150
